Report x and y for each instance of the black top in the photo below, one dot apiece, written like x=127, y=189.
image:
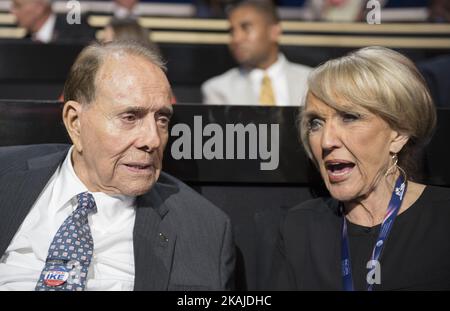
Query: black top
x=416, y=255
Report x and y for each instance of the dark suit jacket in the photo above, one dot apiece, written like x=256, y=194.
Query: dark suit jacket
x=67, y=33
x=181, y=241
x=437, y=75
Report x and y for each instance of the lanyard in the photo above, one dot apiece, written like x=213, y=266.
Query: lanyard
x=388, y=221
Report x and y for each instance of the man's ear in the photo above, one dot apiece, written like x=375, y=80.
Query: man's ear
x=71, y=116
x=398, y=141
x=275, y=32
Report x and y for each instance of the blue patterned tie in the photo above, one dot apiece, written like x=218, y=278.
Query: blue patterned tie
x=71, y=251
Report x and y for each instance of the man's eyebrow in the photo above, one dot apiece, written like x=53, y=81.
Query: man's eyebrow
x=166, y=110
x=136, y=110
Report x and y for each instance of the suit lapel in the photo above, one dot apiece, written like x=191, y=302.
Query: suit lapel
x=154, y=236
x=20, y=190
x=59, y=23
x=154, y=241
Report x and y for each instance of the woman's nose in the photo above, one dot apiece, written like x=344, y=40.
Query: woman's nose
x=330, y=136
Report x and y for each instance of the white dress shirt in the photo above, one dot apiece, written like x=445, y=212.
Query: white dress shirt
x=45, y=33
x=238, y=86
x=112, y=265
x=278, y=78
x=122, y=12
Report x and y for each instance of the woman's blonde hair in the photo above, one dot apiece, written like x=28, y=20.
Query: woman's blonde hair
x=384, y=82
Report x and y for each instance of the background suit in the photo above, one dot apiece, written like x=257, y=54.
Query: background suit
x=76, y=33
x=63, y=32
x=437, y=75
x=181, y=241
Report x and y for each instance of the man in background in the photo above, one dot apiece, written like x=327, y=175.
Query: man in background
x=265, y=76
x=45, y=26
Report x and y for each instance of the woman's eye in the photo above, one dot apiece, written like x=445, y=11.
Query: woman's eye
x=314, y=124
x=349, y=117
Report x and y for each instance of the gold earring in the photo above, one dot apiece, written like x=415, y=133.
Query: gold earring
x=395, y=159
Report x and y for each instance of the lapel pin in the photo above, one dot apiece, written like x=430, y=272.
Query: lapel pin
x=163, y=237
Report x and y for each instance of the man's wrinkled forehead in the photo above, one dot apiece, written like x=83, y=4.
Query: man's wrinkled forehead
x=120, y=63
x=126, y=75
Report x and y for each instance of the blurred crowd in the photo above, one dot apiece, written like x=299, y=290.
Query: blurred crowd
x=264, y=75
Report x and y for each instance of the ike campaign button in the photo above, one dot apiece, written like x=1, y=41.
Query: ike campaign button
x=56, y=277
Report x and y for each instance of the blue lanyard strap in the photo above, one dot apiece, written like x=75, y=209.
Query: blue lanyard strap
x=388, y=221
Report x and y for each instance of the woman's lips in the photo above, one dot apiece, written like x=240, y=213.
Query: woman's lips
x=339, y=171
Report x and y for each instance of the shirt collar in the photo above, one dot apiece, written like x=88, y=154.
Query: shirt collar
x=68, y=185
x=277, y=67
x=274, y=69
x=45, y=33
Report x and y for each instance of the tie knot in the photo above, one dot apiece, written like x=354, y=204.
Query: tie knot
x=86, y=202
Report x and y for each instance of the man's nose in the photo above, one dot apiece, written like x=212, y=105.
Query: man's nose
x=237, y=36
x=149, y=136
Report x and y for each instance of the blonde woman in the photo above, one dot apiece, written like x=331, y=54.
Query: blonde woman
x=365, y=116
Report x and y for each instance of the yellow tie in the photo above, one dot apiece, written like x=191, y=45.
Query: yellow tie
x=266, y=96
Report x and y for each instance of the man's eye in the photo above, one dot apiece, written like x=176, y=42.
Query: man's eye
x=164, y=121
x=314, y=124
x=129, y=118
x=246, y=27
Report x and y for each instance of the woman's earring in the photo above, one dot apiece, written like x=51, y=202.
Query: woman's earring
x=395, y=160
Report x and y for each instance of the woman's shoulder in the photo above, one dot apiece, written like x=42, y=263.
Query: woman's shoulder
x=318, y=208
x=435, y=194
x=436, y=199
x=316, y=218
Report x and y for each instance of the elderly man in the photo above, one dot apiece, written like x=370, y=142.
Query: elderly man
x=100, y=214
x=43, y=25
x=265, y=77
